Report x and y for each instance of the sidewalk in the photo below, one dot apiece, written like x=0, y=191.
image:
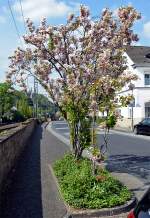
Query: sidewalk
x=121, y=129
x=33, y=194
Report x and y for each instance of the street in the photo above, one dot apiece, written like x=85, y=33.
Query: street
x=33, y=183
x=127, y=153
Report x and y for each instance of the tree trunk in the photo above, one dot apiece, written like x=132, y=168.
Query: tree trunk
x=77, y=146
x=2, y=113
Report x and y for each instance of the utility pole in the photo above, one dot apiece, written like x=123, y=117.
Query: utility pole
x=131, y=87
x=35, y=99
x=132, y=113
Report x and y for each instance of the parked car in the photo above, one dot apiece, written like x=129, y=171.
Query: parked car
x=143, y=127
x=142, y=210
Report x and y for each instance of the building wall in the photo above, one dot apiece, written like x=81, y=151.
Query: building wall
x=141, y=93
x=139, y=71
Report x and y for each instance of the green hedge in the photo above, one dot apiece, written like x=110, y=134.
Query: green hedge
x=81, y=189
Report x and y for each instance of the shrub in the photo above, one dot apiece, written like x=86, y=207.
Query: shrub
x=81, y=189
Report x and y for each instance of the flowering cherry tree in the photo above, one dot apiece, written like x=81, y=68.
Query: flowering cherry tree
x=80, y=64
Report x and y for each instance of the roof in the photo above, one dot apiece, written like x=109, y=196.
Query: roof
x=138, y=55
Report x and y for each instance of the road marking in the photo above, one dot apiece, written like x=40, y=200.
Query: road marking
x=64, y=128
x=61, y=128
x=60, y=122
x=66, y=133
x=102, y=133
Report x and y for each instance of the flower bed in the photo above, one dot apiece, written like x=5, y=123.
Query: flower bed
x=81, y=189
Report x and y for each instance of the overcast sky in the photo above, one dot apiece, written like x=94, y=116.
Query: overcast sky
x=56, y=12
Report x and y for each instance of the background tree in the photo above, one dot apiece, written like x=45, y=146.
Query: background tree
x=45, y=106
x=6, y=100
x=87, y=56
x=24, y=108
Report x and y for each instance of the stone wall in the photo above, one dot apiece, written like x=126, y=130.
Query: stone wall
x=11, y=147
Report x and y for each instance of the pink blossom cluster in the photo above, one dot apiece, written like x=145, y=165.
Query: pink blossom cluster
x=84, y=55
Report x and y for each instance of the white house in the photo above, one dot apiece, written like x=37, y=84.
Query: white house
x=138, y=58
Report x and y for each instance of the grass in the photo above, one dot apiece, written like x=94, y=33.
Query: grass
x=80, y=189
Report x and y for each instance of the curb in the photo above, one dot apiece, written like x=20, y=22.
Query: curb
x=123, y=130
x=106, y=212
x=89, y=213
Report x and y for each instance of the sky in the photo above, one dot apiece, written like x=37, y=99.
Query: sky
x=56, y=12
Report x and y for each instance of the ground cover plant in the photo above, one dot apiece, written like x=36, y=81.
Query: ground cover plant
x=81, y=189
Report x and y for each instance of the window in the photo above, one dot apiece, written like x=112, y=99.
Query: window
x=147, y=109
x=147, y=79
x=143, y=208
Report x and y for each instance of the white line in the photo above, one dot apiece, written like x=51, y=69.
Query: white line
x=102, y=133
x=66, y=133
x=61, y=128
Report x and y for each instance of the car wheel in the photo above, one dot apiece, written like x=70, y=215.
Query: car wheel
x=136, y=131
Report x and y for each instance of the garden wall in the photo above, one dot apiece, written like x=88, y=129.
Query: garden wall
x=11, y=147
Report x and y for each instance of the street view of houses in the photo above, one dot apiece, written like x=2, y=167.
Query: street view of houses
x=74, y=109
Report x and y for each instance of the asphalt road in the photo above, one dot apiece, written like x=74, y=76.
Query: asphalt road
x=127, y=153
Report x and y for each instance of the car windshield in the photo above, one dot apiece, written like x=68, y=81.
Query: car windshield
x=144, y=214
x=146, y=121
x=144, y=211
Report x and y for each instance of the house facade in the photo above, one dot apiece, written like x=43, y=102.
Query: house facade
x=138, y=58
